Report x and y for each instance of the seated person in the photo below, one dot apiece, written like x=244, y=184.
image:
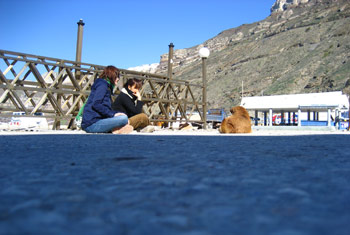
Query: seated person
x=98, y=116
x=129, y=102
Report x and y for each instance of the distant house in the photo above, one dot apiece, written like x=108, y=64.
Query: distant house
x=298, y=109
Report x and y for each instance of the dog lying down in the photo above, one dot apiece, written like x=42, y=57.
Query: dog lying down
x=238, y=122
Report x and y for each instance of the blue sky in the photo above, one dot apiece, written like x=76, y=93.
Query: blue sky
x=124, y=33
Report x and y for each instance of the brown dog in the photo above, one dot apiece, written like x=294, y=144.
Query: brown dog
x=238, y=122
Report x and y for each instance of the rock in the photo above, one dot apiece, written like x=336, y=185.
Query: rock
x=282, y=5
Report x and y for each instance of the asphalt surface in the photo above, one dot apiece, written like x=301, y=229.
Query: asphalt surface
x=149, y=184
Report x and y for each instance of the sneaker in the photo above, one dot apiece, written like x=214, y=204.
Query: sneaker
x=124, y=130
x=148, y=129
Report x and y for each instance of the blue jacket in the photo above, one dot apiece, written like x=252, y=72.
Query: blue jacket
x=98, y=105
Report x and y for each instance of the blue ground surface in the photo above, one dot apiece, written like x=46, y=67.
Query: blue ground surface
x=130, y=184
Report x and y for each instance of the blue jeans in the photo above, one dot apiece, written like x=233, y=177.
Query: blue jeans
x=108, y=124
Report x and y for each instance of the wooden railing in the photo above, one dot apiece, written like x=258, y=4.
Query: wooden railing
x=58, y=88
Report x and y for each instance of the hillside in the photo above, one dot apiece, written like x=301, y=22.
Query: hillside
x=302, y=47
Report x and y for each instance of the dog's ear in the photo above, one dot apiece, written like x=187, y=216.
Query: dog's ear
x=232, y=110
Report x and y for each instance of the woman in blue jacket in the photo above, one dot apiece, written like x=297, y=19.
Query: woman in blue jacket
x=98, y=116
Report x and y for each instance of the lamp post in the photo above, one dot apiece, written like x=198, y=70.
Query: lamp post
x=170, y=61
x=170, y=76
x=79, y=47
x=79, y=40
x=204, y=53
x=78, y=61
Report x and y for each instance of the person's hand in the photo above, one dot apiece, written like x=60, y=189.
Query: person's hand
x=119, y=114
x=138, y=95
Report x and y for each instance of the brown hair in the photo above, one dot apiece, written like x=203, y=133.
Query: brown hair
x=133, y=81
x=111, y=73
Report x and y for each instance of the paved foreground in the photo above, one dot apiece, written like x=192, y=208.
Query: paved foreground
x=149, y=184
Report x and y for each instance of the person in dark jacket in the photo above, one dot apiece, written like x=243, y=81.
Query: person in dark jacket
x=129, y=102
x=98, y=116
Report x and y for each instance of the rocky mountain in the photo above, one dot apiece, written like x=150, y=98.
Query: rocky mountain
x=302, y=47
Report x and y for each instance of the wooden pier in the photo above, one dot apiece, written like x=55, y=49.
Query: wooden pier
x=58, y=88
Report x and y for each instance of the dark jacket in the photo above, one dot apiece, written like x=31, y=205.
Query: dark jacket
x=127, y=103
x=98, y=105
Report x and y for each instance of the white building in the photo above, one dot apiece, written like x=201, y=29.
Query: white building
x=316, y=107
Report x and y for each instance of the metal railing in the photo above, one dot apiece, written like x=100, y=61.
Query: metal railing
x=58, y=88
